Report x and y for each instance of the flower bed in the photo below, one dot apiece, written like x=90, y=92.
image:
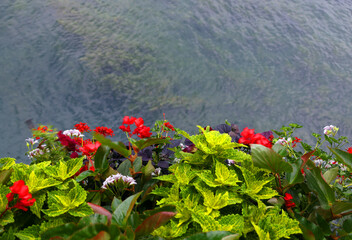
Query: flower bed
x=166, y=184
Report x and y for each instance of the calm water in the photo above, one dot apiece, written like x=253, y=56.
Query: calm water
x=257, y=63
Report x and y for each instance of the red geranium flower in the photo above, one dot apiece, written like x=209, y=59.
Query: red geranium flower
x=125, y=129
x=250, y=137
x=90, y=148
x=82, y=127
x=128, y=120
x=139, y=122
x=141, y=130
x=349, y=150
x=168, y=125
x=104, y=131
x=23, y=196
x=42, y=129
x=288, y=201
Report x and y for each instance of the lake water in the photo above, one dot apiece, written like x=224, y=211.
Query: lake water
x=256, y=63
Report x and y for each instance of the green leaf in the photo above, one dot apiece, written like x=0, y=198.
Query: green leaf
x=64, y=169
x=184, y=173
x=137, y=164
x=153, y=222
x=123, y=211
x=29, y=233
x=118, y=147
x=322, y=224
x=317, y=184
x=217, y=201
x=63, y=231
x=342, y=157
x=81, y=211
x=6, y=163
x=147, y=170
x=38, y=204
x=84, y=175
x=331, y=174
x=225, y=176
x=208, y=177
x=7, y=218
x=261, y=233
x=234, y=221
x=143, y=143
x=306, y=224
x=215, y=235
x=124, y=168
x=38, y=180
x=296, y=175
x=3, y=199
x=267, y=158
x=101, y=162
x=115, y=203
x=347, y=225
x=62, y=201
x=340, y=207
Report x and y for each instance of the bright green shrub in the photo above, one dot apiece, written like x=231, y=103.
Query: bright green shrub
x=212, y=196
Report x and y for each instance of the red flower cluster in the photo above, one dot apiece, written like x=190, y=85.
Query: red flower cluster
x=140, y=130
x=67, y=141
x=104, y=131
x=23, y=196
x=288, y=201
x=295, y=141
x=349, y=150
x=42, y=129
x=82, y=127
x=90, y=148
x=168, y=125
x=250, y=137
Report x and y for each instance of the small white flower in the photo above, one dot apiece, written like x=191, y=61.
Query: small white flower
x=330, y=130
x=327, y=166
x=156, y=172
x=177, y=160
x=343, y=167
x=31, y=141
x=182, y=146
x=283, y=141
x=73, y=133
x=35, y=152
x=318, y=162
x=332, y=162
x=230, y=162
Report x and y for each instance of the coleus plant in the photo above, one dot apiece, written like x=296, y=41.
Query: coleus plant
x=310, y=182
x=210, y=195
x=49, y=191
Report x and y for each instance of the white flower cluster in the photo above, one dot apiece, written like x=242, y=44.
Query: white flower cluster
x=36, y=152
x=283, y=141
x=230, y=162
x=332, y=162
x=73, y=133
x=330, y=130
x=31, y=141
x=114, y=178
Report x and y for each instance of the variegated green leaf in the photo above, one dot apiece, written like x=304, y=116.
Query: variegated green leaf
x=29, y=233
x=64, y=169
x=234, y=222
x=7, y=218
x=38, y=204
x=208, y=177
x=81, y=211
x=38, y=180
x=225, y=176
x=184, y=174
x=261, y=233
x=3, y=200
x=6, y=163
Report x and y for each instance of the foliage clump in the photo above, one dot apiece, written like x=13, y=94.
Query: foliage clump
x=203, y=189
